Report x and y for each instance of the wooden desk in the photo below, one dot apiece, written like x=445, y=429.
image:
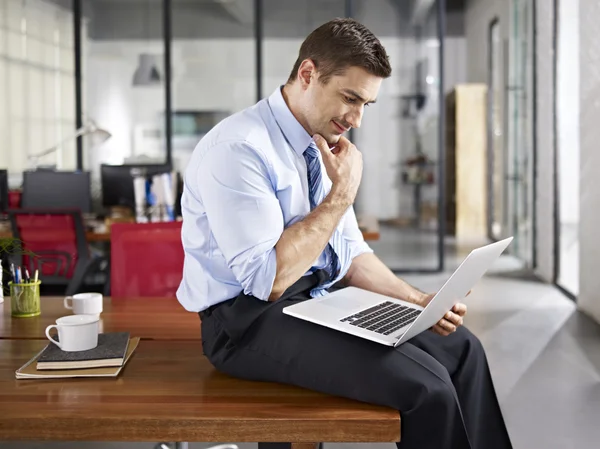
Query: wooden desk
x=169, y=392
x=92, y=236
x=369, y=229
x=148, y=318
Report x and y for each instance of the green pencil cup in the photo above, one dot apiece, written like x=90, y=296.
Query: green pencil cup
x=25, y=299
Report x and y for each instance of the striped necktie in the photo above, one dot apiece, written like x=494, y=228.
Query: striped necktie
x=340, y=257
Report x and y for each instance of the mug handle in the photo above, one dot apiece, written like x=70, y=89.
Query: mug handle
x=57, y=343
x=66, y=302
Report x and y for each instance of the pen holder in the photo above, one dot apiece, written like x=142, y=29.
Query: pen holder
x=25, y=299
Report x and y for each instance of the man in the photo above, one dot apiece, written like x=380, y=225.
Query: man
x=268, y=221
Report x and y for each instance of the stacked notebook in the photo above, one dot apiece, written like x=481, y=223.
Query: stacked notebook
x=105, y=360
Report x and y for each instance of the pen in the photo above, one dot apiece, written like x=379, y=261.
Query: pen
x=12, y=272
x=35, y=278
x=27, y=278
x=18, y=277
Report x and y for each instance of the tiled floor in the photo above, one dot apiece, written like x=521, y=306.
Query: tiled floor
x=411, y=249
x=544, y=356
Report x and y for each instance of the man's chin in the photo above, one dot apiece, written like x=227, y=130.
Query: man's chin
x=331, y=138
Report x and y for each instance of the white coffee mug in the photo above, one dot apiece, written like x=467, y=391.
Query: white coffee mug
x=85, y=303
x=75, y=332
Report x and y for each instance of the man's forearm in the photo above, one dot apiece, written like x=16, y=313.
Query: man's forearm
x=370, y=273
x=302, y=243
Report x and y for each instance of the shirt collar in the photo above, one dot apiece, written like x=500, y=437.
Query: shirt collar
x=291, y=128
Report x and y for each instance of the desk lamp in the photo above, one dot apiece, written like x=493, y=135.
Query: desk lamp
x=90, y=128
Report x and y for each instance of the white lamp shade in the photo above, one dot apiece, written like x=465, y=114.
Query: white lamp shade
x=147, y=73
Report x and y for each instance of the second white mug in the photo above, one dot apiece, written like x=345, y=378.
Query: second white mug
x=84, y=303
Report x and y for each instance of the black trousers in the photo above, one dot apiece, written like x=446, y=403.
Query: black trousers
x=441, y=385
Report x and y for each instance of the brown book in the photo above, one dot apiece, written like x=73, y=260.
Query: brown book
x=29, y=370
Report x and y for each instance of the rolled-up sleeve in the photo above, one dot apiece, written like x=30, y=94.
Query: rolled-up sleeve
x=244, y=213
x=353, y=235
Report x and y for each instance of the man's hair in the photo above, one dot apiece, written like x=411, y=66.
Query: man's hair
x=340, y=44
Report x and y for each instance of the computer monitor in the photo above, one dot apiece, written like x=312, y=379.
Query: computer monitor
x=4, y=206
x=117, y=182
x=50, y=189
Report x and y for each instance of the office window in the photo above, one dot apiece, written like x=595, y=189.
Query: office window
x=37, y=107
x=214, y=69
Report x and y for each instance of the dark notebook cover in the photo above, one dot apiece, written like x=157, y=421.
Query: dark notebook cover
x=110, y=346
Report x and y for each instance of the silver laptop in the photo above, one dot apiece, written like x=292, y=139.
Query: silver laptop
x=390, y=321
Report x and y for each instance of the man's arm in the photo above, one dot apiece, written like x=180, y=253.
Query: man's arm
x=370, y=273
x=302, y=243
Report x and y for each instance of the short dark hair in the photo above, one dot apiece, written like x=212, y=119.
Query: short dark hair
x=340, y=44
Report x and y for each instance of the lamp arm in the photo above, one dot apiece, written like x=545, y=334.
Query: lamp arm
x=80, y=132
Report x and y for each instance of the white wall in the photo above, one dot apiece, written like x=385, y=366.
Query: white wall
x=589, y=40
x=545, y=201
x=567, y=110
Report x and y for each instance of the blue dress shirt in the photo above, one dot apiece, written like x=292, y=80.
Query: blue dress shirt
x=245, y=183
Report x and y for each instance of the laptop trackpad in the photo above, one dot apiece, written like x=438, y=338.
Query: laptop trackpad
x=345, y=302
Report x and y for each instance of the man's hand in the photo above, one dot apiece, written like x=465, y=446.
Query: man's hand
x=451, y=321
x=344, y=166
x=301, y=243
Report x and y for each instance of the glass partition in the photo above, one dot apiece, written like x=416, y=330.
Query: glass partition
x=214, y=54
x=123, y=83
x=520, y=150
x=214, y=68
x=400, y=137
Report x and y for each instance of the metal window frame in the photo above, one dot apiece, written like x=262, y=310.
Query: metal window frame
x=77, y=16
x=491, y=200
x=441, y=5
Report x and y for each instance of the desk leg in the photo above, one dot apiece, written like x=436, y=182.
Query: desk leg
x=274, y=446
x=290, y=445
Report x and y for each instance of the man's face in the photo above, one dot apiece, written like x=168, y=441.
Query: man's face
x=333, y=108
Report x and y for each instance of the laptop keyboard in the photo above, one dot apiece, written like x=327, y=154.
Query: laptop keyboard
x=383, y=318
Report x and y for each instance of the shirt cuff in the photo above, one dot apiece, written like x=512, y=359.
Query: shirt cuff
x=260, y=284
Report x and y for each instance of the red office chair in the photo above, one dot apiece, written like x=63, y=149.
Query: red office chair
x=146, y=259
x=14, y=199
x=54, y=242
